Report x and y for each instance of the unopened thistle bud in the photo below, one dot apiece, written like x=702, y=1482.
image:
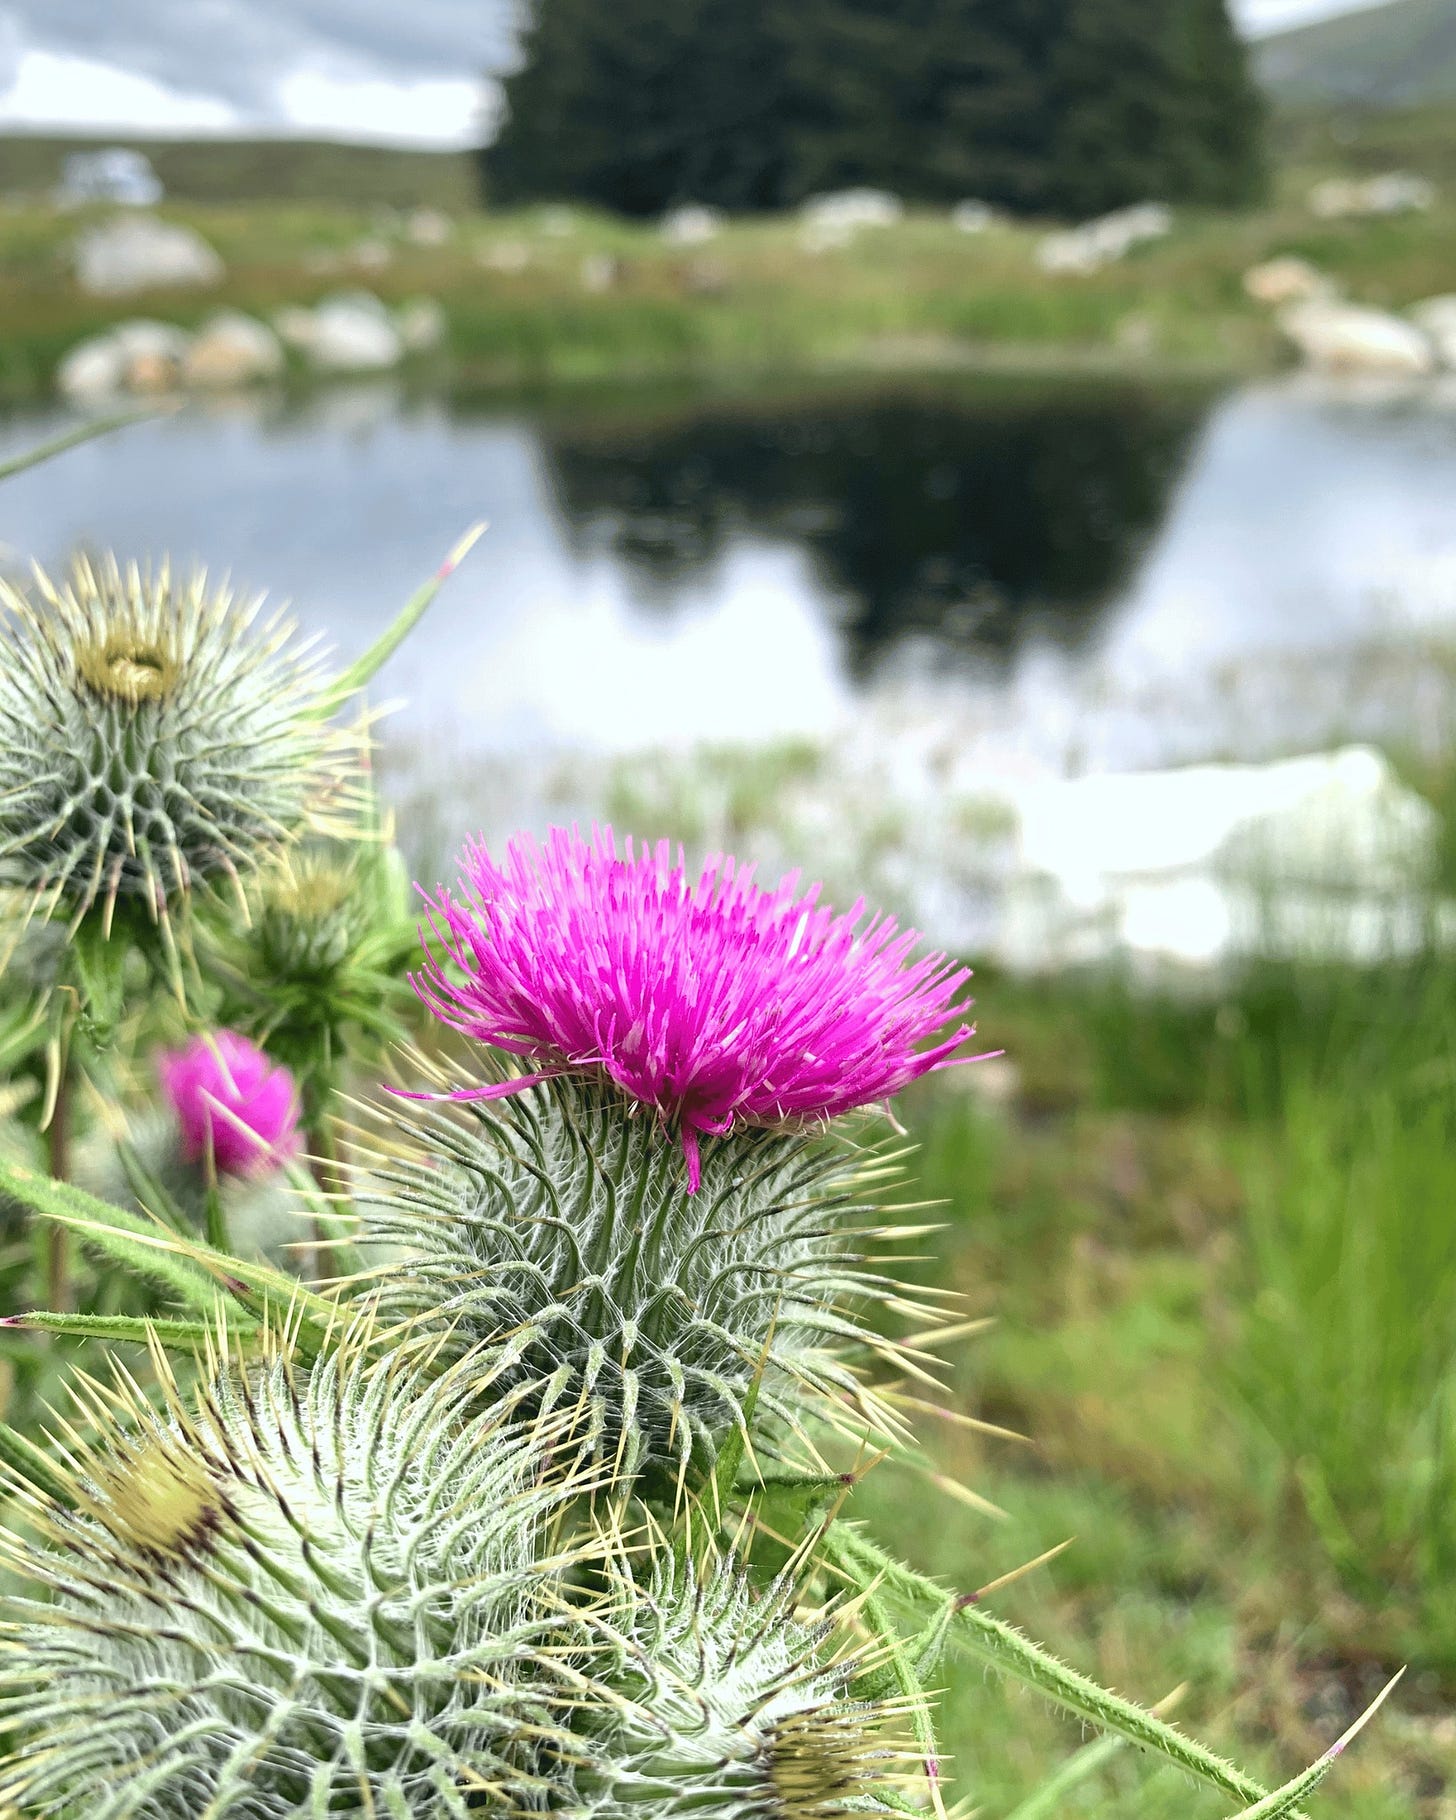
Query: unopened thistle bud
x=152, y=735
x=286, y=1598
x=553, y=1240
x=726, y=1703
x=324, y=954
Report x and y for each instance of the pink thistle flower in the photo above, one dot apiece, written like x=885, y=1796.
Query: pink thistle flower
x=232, y=1099
x=715, y=1002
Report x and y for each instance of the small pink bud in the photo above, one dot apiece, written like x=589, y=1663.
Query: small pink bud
x=230, y=1097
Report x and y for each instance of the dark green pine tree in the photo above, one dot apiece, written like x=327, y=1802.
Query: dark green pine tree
x=1053, y=106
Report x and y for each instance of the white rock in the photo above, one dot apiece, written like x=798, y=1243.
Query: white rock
x=295, y=327
x=141, y=253
x=93, y=369
x=599, y=272
x=152, y=354
x=372, y=255
x=852, y=210
x=1343, y=338
x=353, y=333
x=691, y=225
x=1436, y=319
x=421, y=324
x=137, y=356
x=428, y=227
x=1104, y=241
x=1067, y=253
x=233, y=350
x=972, y=217
x=1287, y=279
x=1391, y=193
x=114, y=174
x=1399, y=193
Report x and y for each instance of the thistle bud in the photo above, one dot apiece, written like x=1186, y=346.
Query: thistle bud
x=725, y=1703
x=286, y=1598
x=152, y=735
x=555, y=1241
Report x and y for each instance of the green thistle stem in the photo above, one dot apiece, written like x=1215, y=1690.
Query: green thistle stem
x=1004, y=1648
x=58, y=1148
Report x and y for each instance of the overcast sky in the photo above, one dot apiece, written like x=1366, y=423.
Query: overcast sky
x=402, y=70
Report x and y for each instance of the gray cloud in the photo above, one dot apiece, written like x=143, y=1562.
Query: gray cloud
x=237, y=49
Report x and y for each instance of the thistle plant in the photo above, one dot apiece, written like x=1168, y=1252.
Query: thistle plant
x=288, y=1594
x=582, y=1240
x=317, y=972
x=718, y=1698
x=551, y=1241
x=153, y=734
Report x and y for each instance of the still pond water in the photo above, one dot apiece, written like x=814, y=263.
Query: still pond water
x=1091, y=574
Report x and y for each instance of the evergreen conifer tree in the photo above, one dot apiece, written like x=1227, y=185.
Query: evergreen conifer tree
x=1052, y=106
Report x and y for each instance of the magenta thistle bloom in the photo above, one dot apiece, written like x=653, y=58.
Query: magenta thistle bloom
x=715, y=1002
x=231, y=1098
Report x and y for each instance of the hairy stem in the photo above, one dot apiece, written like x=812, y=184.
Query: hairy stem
x=1005, y=1648
x=58, y=1240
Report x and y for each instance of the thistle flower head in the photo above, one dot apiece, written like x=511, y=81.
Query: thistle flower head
x=152, y=734
x=232, y=1102
x=711, y=1000
x=550, y=1240
x=727, y=1703
x=284, y=1598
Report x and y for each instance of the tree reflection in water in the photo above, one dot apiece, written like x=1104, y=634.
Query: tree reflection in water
x=973, y=519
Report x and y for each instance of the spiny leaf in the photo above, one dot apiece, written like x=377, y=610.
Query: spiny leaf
x=27, y=1461
x=1003, y=1647
x=191, y=1269
x=1283, y=1801
x=135, y=1243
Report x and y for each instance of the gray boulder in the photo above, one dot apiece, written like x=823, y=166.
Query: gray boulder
x=140, y=253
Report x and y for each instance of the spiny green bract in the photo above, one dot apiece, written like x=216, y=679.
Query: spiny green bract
x=288, y=1598
x=323, y=955
x=553, y=1238
x=151, y=735
x=727, y=1704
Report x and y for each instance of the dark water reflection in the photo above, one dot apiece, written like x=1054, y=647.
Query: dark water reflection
x=975, y=520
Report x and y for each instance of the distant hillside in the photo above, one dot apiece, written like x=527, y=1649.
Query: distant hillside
x=1399, y=55
x=263, y=170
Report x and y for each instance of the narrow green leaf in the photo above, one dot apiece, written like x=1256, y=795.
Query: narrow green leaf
x=131, y=1329
x=137, y=1244
x=69, y=439
x=190, y=1269
x=27, y=1462
x=364, y=669
x=1045, y=1804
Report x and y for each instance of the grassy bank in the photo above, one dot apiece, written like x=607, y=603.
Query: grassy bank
x=1216, y=1242
x=529, y=305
